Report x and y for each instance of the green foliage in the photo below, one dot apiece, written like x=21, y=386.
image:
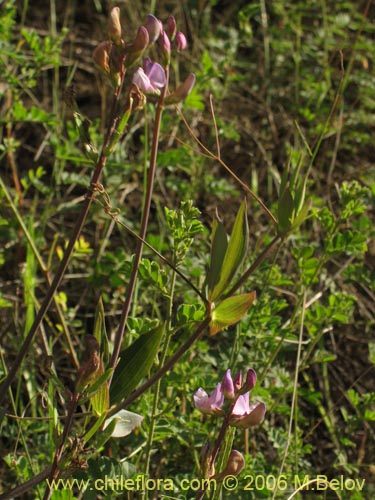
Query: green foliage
x=224, y=265
x=292, y=87
x=135, y=363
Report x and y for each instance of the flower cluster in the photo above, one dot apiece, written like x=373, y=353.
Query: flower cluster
x=115, y=56
x=241, y=413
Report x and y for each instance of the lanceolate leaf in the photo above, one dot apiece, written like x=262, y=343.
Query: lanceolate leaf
x=100, y=398
x=135, y=363
x=100, y=332
x=285, y=211
x=219, y=246
x=230, y=311
x=234, y=254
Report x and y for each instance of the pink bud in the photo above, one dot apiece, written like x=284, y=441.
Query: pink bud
x=237, y=381
x=153, y=27
x=227, y=385
x=171, y=28
x=251, y=378
x=236, y=463
x=182, y=90
x=180, y=41
x=135, y=50
x=165, y=48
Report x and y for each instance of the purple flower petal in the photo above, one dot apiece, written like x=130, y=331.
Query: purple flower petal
x=209, y=404
x=242, y=405
x=254, y=417
x=156, y=74
x=142, y=80
x=227, y=386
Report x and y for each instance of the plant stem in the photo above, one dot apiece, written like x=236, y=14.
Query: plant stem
x=55, y=471
x=157, y=385
x=218, y=443
x=142, y=233
x=43, y=267
x=67, y=254
x=261, y=257
x=166, y=367
x=27, y=486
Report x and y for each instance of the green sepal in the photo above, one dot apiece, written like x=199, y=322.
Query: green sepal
x=135, y=363
x=230, y=311
x=234, y=253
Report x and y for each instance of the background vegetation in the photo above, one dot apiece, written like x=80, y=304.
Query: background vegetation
x=292, y=86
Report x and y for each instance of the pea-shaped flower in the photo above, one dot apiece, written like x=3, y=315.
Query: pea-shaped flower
x=209, y=404
x=244, y=414
x=151, y=78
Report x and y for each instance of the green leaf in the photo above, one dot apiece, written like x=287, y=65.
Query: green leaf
x=100, y=398
x=285, y=211
x=230, y=311
x=94, y=429
x=135, y=363
x=371, y=352
x=99, y=381
x=234, y=254
x=219, y=245
x=100, y=332
x=105, y=434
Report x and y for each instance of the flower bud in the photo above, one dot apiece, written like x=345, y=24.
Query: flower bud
x=114, y=26
x=171, y=28
x=101, y=56
x=90, y=365
x=227, y=386
x=182, y=90
x=165, y=48
x=237, y=381
x=153, y=27
x=236, y=463
x=135, y=50
x=251, y=378
x=180, y=41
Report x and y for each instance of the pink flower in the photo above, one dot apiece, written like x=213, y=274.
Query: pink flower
x=209, y=404
x=227, y=386
x=151, y=78
x=153, y=27
x=180, y=41
x=245, y=415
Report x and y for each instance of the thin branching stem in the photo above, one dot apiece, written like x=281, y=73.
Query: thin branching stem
x=55, y=471
x=197, y=334
x=217, y=158
x=67, y=254
x=144, y=223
